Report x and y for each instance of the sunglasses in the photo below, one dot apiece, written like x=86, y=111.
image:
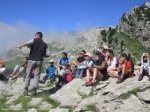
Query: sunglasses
x=144, y=57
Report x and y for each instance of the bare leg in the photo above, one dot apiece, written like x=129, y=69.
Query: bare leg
x=124, y=70
x=149, y=71
x=58, y=69
x=88, y=75
x=114, y=73
x=96, y=74
x=141, y=69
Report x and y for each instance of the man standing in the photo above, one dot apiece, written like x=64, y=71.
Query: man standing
x=38, y=50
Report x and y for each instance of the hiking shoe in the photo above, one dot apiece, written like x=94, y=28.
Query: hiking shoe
x=25, y=93
x=33, y=92
x=120, y=80
x=140, y=77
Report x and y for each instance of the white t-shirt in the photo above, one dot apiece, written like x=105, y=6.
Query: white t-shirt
x=112, y=63
x=2, y=69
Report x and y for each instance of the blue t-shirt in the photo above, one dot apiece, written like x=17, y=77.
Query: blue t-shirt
x=64, y=61
x=51, y=70
x=145, y=65
x=89, y=63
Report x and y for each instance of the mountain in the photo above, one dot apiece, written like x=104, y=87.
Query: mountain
x=136, y=24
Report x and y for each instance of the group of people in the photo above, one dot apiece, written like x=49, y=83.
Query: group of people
x=94, y=68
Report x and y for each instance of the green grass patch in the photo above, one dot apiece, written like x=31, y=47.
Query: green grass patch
x=128, y=94
x=23, y=100
x=49, y=84
x=133, y=45
x=91, y=108
x=2, y=104
x=46, y=98
x=105, y=101
x=68, y=107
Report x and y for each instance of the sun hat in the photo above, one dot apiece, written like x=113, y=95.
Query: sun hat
x=51, y=61
x=105, y=47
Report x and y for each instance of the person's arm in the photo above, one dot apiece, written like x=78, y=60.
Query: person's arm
x=102, y=66
x=69, y=60
x=29, y=43
x=54, y=71
x=48, y=53
x=58, y=63
x=75, y=62
x=90, y=65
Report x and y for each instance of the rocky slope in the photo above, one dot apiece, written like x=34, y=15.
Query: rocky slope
x=136, y=24
x=107, y=96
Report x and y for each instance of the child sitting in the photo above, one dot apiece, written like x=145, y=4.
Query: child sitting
x=64, y=75
x=50, y=70
x=81, y=69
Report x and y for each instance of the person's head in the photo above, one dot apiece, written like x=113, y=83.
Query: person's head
x=101, y=49
x=38, y=35
x=109, y=53
x=64, y=55
x=25, y=59
x=145, y=56
x=82, y=53
x=66, y=66
x=2, y=64
x=123, y=57
x=99, y=58
x=51, y=62
x=88, y=56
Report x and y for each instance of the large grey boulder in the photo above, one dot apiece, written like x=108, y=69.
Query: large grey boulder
x=69, y=95
x=145, y=95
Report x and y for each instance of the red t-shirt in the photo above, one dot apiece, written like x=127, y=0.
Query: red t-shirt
x=128, y=65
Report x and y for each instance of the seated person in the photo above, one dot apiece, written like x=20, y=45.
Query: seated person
x=50, y=71
x=112, y=62
x=19, y=69
x=2, y=71
x=64, y=75
x=125, y=68
x=97, y=71
x=144, y=66
x=63, y=60
x=78, y=63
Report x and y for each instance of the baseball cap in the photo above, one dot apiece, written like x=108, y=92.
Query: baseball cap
x=101, y=47
x=51, y=61
x=89, y=54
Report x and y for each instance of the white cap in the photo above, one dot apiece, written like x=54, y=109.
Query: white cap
x=51, y=61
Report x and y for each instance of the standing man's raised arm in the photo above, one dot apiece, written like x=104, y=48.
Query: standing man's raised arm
x=23, y=45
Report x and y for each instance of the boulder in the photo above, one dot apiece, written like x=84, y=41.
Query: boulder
x=59, y=110
x=45, y=106
x=32, y=110
x=144, y=95
x=35, y=102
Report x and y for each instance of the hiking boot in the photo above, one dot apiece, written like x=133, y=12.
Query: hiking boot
x=140, y=77
x=120, y=80
x=25, y=93
x=33, y=92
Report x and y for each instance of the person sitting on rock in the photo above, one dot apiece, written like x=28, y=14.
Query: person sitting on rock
x=64, y=75
x=50, y=71
x=78, y=62
x=19, y=69
x=2, y=71
x=112, y=62
x=125, y=68
x=63, y=60
x=144, y=66
x=97, y=72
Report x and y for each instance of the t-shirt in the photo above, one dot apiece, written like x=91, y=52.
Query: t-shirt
x=145, y=63
x=51, y=70
x=68, y=76
x=80, y=59
x=64, y=61
x=127, y=63
x=112, y=63
x=89, y=63
x=2, y=69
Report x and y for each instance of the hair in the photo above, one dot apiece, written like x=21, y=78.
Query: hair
x=26, y=57
x=64, y=53
x=40, y=34
x=83, y=51
x=67, y=65
x=143, y=56
x=2, y=62
x=101, y=59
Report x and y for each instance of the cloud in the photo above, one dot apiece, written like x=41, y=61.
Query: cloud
x=21, y=32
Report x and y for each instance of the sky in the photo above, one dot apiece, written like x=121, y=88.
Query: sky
x=65, y=15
